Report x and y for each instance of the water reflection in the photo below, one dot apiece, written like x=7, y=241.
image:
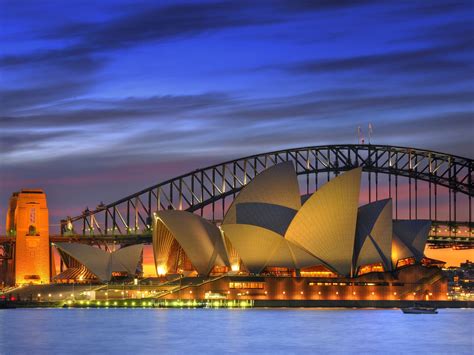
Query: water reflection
x=81, y=331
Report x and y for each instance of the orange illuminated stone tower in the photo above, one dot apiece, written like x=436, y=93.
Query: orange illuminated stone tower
x=27, y=220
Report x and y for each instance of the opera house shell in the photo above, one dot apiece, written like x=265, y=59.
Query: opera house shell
x=270, y=227
x=86, y=262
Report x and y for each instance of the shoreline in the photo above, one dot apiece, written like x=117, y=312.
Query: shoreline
x=143, y=303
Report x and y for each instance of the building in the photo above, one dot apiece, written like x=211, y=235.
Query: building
x=86, y=263
x=275, y=244
x=27, y=220
x=461, y=281
x=272, y=245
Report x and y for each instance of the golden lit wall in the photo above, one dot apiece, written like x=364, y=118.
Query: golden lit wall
x=414, y=283
x=32, y=259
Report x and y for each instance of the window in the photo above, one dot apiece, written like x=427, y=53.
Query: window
x=370, y=268
x=405, y=262
x=32, y=230
x=246, y=285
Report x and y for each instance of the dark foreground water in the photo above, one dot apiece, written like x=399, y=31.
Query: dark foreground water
x=205, y=331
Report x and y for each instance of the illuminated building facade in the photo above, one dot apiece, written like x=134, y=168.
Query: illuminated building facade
x=272, y=244
x=414, y=282
x=27, y=220
x=322, y=246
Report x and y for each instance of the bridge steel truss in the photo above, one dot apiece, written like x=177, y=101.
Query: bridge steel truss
x=208, y=191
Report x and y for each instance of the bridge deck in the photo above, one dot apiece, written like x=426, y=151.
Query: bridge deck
x=433, y=240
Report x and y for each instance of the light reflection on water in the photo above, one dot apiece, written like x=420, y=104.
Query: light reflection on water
x=137, y=331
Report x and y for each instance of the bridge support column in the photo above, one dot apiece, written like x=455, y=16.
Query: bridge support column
x=27, y=216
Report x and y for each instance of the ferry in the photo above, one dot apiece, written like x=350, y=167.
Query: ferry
x=420, y=310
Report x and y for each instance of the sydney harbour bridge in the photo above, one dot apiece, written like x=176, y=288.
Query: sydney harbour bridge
x=423, y=185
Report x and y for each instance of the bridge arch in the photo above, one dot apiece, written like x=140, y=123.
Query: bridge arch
x=208, y=189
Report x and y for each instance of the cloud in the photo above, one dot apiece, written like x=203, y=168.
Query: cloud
x=13, y=142
x=156, y=23
x=163, y=22
x=308, y=5
x=150, y=24
x=212, y=108
x=84, y=112
x=432, y=8
x=76, y=58
x=19, y=99
x=214, y=123
x=450, y=32
x=343, y=108
x=416, y=61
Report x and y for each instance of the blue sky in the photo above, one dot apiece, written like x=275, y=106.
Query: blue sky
x=100, y=99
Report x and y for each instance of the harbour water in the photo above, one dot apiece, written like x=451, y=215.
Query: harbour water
x=259, y=331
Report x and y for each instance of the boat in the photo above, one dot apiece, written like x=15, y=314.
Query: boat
x=420, y=310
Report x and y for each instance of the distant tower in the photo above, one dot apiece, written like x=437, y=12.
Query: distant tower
x=27, y=219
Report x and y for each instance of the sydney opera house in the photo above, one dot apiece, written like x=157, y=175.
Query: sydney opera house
x=275, y=244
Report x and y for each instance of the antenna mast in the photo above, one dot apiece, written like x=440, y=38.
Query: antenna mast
x=371, y=131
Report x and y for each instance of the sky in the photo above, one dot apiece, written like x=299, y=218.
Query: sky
x=99, y=99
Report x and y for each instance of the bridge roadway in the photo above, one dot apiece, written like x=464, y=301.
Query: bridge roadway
x=435, y=240
x=443, y=235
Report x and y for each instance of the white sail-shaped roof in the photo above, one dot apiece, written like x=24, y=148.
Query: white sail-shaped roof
x=201, y=240
x=94, y=259
x=259, y=247
x=277, y=185
x=127, y=258
x=253, y=244
x=273, y=217
x=102, y=263
x=413, y=234
x=291, y=256
x=373, y=242
x=325, y=225
x=162, y=243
